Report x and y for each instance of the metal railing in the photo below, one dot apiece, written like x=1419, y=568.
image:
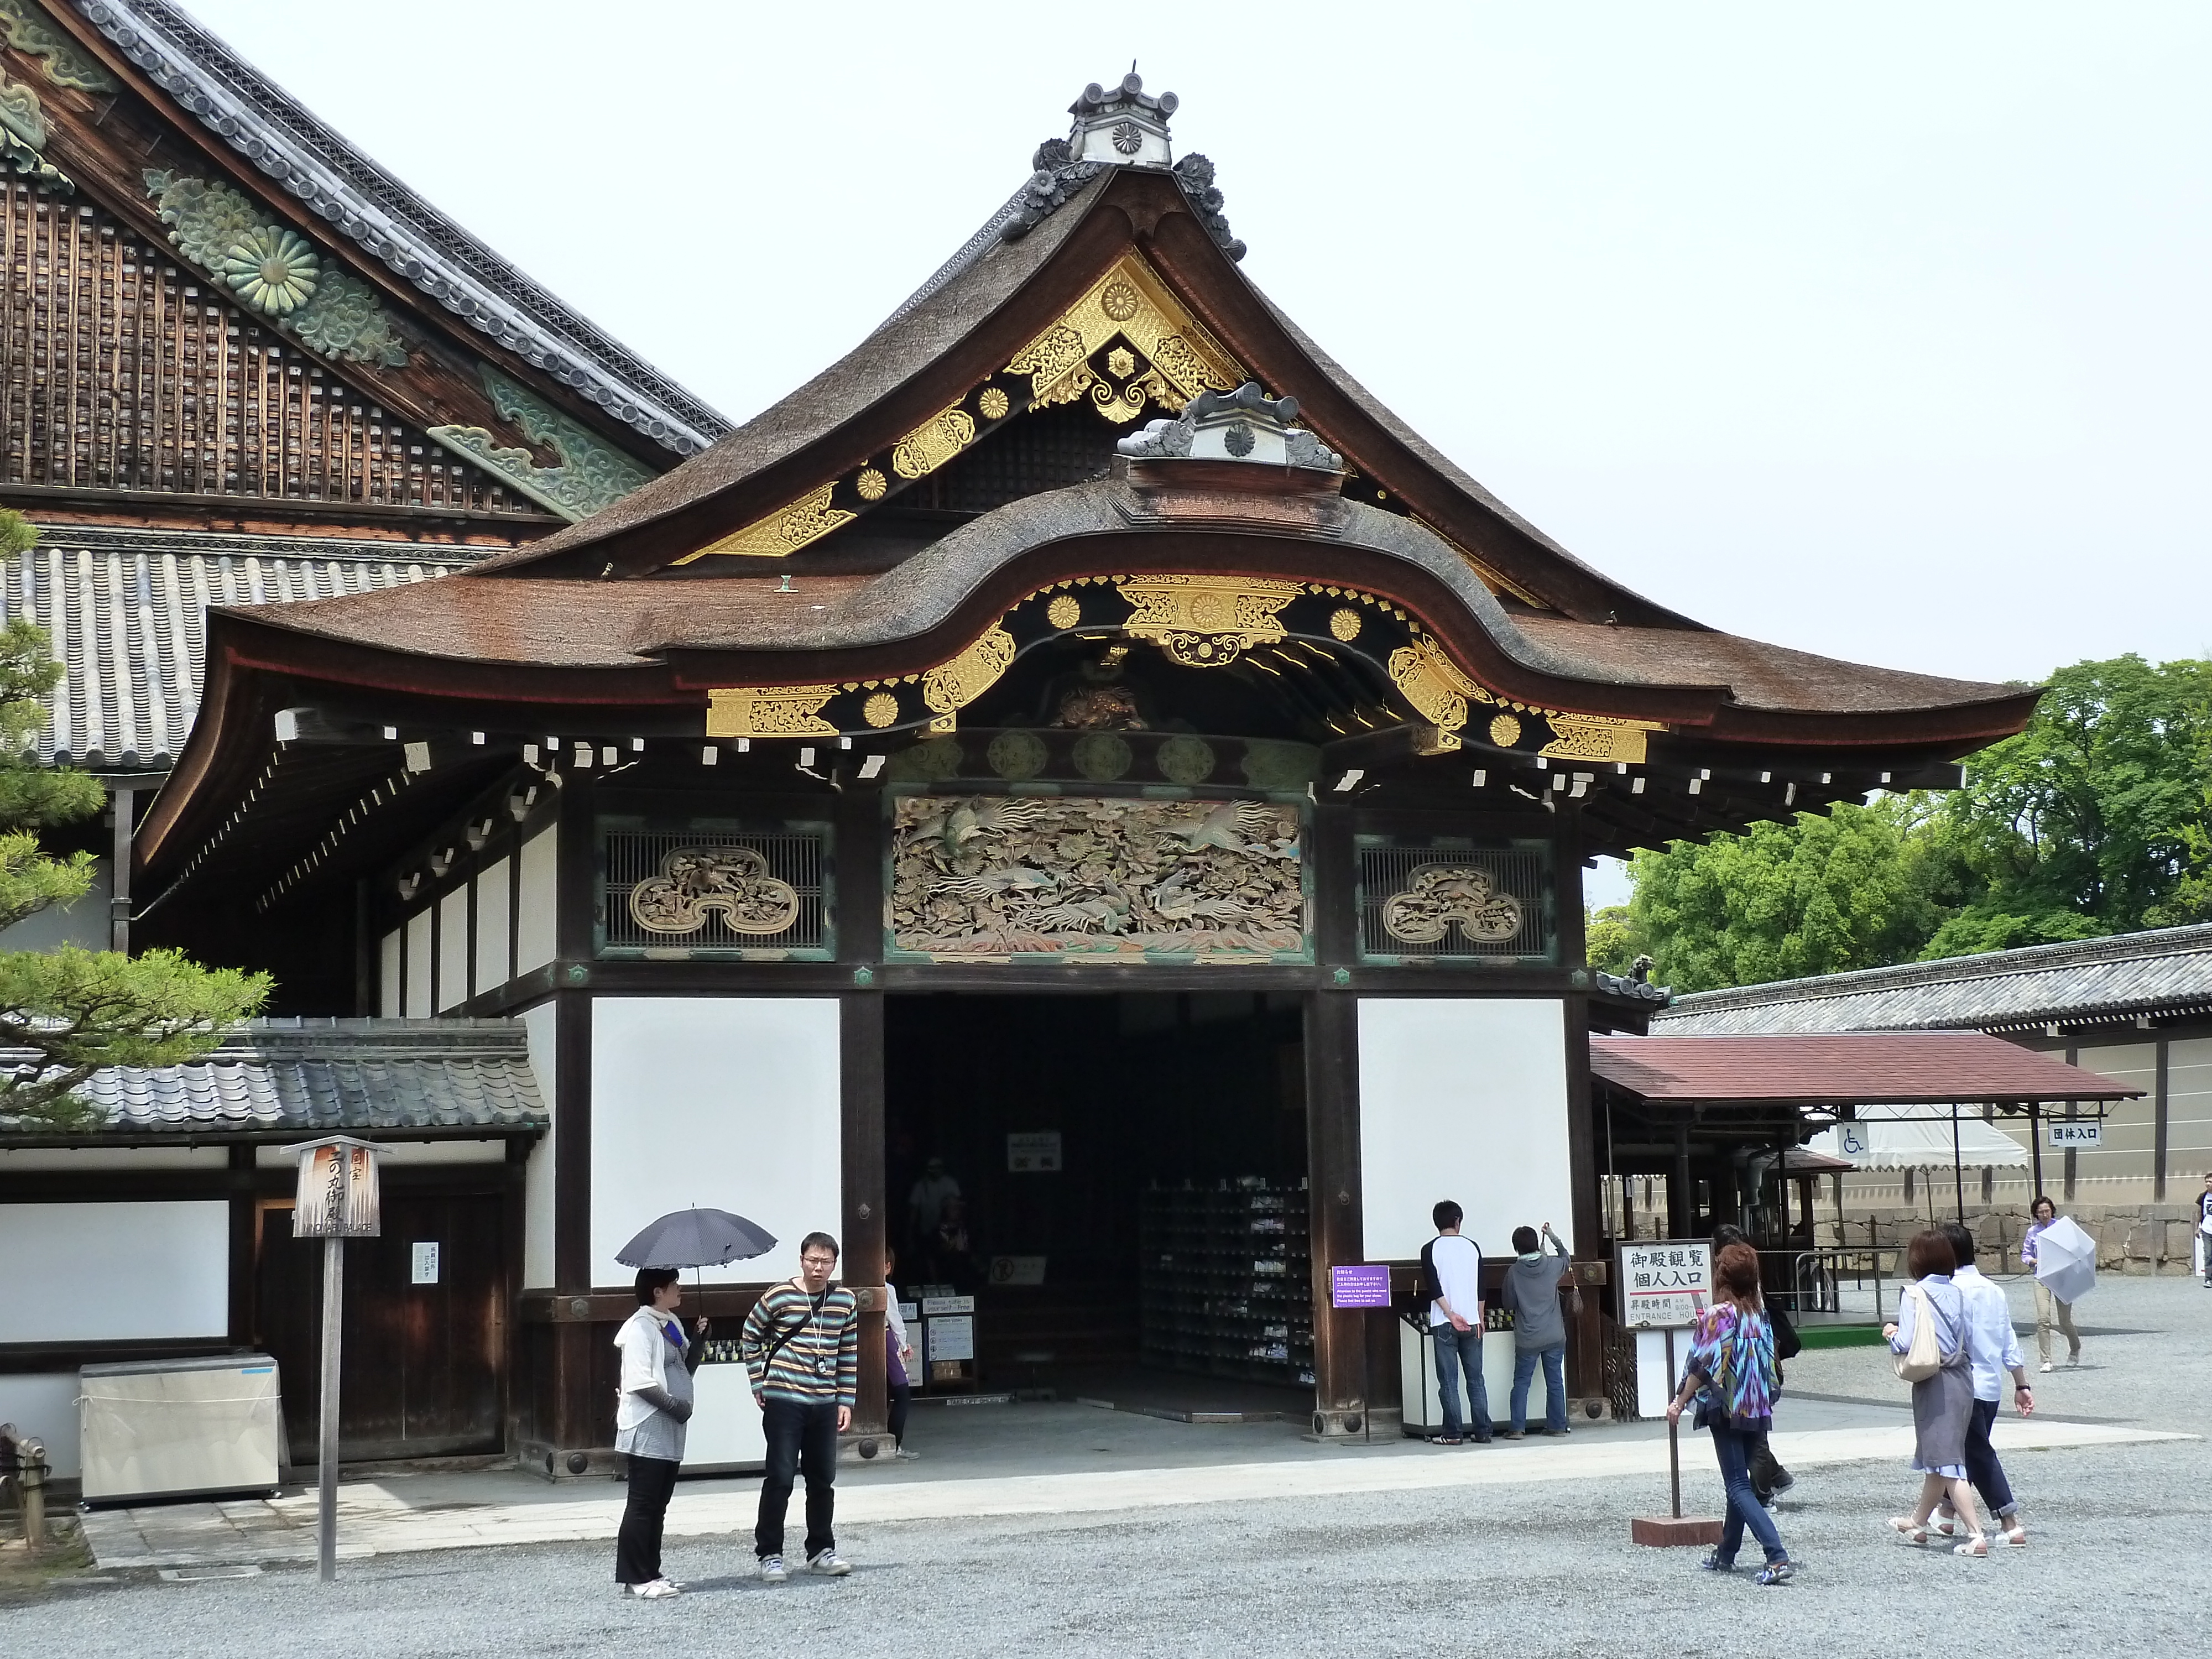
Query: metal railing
x=1837, y=1281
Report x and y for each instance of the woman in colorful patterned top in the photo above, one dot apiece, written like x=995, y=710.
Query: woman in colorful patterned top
x=2049, y=1309
x=1730, y=1372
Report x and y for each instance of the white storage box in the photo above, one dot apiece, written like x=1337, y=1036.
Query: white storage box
x=167, y=1428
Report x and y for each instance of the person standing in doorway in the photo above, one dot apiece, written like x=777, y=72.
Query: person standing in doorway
x=1531, y=1292
x=651, y=1408
x=1451, y=1283
x=2049, y=1309
x=801, y=1341
x=925, y=1205
x=1730, y=1373
x=898, y=1358
x=1994, y=1350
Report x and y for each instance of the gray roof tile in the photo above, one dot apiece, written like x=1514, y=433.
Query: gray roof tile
x=2165, y=971
x=302, y=1077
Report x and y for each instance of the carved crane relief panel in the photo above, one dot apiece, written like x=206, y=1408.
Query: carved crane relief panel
x=990, y=876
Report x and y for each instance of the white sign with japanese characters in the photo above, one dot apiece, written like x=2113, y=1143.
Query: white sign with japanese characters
x=2066, y=1132
x=1665, y=1282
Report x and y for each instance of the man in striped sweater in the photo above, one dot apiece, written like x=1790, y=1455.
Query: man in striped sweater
x=802, y=1344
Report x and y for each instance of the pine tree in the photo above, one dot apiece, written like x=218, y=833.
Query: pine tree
x=65, y=1013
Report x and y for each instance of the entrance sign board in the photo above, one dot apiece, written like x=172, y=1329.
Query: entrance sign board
x=336, y=1197
x=1033, y=1152
x=2070, y=1135
x=1665, y=1284
x=1359, y=1286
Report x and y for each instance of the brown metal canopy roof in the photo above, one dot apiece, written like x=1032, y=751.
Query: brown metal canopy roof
x=1864, y=1068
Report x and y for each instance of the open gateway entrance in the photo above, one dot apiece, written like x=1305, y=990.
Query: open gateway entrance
x=1119, y=1180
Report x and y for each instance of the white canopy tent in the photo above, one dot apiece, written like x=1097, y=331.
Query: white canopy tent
x=1920, y=1138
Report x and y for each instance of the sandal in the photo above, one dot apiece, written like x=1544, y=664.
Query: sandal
x=1906, y=1528
x=1776, y=1572
x=1713, y=1563
x=1978, y=1545
x=1946, y=1524
x=2015, y=1536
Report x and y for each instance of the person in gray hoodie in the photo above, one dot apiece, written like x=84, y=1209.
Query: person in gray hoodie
x=1532, y=1290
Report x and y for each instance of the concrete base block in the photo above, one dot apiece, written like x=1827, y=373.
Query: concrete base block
x=1663, y=1530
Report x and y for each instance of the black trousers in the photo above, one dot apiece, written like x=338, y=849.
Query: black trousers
x=1766, y=1470
x=1982, y=1466
x=637, y=1546
x=902, y=1402
x=801, y=1439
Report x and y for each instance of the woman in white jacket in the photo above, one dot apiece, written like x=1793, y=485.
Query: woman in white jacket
x=653, y=1405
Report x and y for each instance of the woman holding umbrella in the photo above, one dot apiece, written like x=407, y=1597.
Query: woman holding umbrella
x=651, y=1410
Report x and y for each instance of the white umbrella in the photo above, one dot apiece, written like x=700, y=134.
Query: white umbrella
x=2066, y=1259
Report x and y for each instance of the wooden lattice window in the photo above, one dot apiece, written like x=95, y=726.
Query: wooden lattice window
x=126, y=371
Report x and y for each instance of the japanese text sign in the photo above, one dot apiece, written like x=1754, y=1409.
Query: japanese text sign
x=1665, y=1282
x=337, y=1193
x=1359, y=1286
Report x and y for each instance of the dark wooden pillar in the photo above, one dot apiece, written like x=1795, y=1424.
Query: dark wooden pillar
x=574, y=1430
x=243, y=1182
x=861, y=1073
x=125, y=814
x=2159, y=1128
x=1334, y=1219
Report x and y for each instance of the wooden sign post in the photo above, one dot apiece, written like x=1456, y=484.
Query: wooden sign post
x=337, y=1201
x=1664, y=1284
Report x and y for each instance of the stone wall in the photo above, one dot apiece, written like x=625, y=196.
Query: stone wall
x=2135, y=1238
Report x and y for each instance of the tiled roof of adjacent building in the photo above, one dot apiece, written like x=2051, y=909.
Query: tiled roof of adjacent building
x=127, y=612
x=297, y=1077
x=258, y=119
x=1851, y=1068
x=2089, y=982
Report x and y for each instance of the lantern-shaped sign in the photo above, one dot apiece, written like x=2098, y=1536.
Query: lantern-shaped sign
x=337, y=1197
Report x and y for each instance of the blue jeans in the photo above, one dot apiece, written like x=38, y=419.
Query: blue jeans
x=1734, y=1447
x=1982, y=1466
x=1555, y=1386
x=1460, y=1350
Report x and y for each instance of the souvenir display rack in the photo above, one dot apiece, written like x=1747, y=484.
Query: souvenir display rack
x=1226, y=1282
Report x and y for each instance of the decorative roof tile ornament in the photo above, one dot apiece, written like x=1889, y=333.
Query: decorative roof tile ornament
x=273, y=271
x=1125, y=127
x=66, y=64
x=1243, y=425
x=593, y=473
x=23, y=137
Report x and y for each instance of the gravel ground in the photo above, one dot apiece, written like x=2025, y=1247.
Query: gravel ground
x=2116, y=1565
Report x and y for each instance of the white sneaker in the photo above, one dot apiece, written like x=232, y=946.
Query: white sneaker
x=653, y=1591
x=773, y=1571
x=2046, y=1364
x=829, y=1564
x=907, y=1456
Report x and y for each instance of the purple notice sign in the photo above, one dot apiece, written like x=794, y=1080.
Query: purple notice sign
x=1367, y=1286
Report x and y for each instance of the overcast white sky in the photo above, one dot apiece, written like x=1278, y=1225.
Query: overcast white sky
x=1879, y=330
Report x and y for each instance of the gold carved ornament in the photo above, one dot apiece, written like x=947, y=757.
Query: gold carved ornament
x=769, y=711
x=782, y=533
x=697, y=882
x=1438, y=896
x=1131, y=303
x=951, y=686
x=1598, y=737
x=932, y=443
x=1439, y=692
x=1206, y=622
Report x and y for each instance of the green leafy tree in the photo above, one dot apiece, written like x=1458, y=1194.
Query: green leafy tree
x=1610, y=940
x=1851, y=887
x=68, y=1013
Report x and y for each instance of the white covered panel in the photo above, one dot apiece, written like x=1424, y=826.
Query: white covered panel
x=538, y=904
x=115, y=1272
x=388, y=959
x=1463, y=1098
x=44, y=1406
x=492, y=940
x=453, y=949
x=537, y=1174
x=420, y=967
x=728, y=1102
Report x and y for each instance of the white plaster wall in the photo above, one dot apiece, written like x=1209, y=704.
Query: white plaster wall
x=388, y=957
x=2130, y=1130
x=44, y=1406
x=534, y=936
x=1462, y=1098
x=101, y=1273
x=2188, y=1115
x=727, y=1101
x=492, y=941
x=538, y=1175
x=420, y=967
x=81, y=1159
x=453, y=949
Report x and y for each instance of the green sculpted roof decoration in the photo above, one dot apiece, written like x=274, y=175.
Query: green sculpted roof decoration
x=273, y=271
x=30, y=30
x=23, y=136
x=593, y=473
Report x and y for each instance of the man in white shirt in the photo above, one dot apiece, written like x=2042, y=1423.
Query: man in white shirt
x=1995, y=1346
x=1451, y=1280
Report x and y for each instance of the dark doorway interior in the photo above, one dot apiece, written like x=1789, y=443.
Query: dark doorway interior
x=1168, y=1107
x=423, y=1365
